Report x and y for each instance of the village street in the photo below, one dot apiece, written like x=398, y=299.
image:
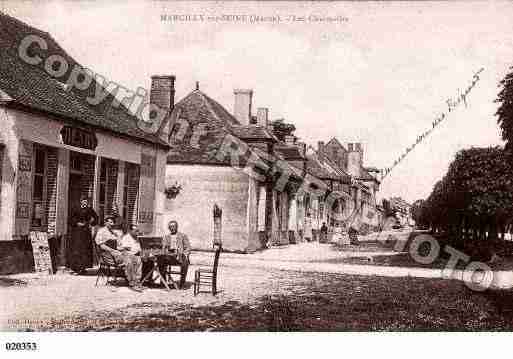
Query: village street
x=308, y=286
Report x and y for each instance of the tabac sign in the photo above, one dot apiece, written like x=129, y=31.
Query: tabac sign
x=78, y=137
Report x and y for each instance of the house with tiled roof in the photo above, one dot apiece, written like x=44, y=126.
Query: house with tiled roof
x=363, y=185
x=228, y=160
x=63, y=136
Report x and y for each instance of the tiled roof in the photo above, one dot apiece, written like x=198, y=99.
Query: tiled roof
x=195, y=109
x=199, y=109
x=323, y=168
x=32, y=88
x=197, y=103
x=336, y=142
x=366, y=176
x=371, y=169
x=253, y=132
x=284, y=165
x=289, y=153
x=317, y=169
x=334, y=165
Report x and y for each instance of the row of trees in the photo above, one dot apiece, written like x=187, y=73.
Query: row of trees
x=474, y=200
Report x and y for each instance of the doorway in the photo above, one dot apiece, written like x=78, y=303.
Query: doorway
x=75, y=191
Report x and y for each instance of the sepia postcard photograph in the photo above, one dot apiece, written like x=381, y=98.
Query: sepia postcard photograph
x=255, y=166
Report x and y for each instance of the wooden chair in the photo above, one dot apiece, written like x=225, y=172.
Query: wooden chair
x=207, y=276
x=108, y=267
x=170, y=271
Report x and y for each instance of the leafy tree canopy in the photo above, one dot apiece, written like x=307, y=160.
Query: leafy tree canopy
x=505, y=110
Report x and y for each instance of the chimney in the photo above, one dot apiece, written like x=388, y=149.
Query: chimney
x=320, y=150
x=242, y=106
x=162, y=92
x=262, y=116
x=162, y=95
x=354, y=159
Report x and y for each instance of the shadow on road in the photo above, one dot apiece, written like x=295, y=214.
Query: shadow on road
x=11, y=282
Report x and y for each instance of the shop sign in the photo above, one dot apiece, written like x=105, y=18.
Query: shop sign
x=78, y=137
x=41, y=251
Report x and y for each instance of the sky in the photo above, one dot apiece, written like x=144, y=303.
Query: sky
x=380, y=76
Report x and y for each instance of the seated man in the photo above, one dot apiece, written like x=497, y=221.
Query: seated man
x=178, y=244
x=106, y=239
x=130, y=248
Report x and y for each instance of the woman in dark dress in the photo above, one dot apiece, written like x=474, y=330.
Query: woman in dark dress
x=81, y=241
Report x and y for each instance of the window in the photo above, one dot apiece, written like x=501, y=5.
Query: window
x=39, y=188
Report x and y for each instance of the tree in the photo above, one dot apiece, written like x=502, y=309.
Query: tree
x=475, y=198
x=417, y=212
x=505, y=109
x=281, y=129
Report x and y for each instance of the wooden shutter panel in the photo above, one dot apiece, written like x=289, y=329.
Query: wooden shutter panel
x=24, y=187
x=147, y=192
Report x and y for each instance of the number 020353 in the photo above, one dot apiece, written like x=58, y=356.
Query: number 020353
x=20, y=346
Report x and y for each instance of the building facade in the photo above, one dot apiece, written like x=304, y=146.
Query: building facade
x=56, y=147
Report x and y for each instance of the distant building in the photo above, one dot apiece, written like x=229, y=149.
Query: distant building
x=363, y=185
x=402, y=211
x=256, y=211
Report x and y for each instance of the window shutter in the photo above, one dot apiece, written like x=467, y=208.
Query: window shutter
x=24, y=188
x=147, y=192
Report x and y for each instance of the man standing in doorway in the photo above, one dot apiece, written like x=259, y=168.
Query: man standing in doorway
x=177, y=244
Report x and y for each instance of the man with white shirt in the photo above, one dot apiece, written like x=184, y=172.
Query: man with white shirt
x=128, y=242
x=130, y=248
x=123, y=250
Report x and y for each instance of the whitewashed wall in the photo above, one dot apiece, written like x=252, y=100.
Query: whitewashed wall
x=9, y=166
x=202, y=187
x=28, y=126
x=18, y=125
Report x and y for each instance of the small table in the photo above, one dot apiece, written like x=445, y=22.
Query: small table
x=156, y=270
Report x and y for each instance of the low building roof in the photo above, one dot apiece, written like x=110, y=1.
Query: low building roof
x=31, y=88
x=211, y=123
x=289, y=153
x=324, y=168
x=253, y=133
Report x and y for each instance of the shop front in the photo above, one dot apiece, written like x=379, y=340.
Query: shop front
x=49, y=165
